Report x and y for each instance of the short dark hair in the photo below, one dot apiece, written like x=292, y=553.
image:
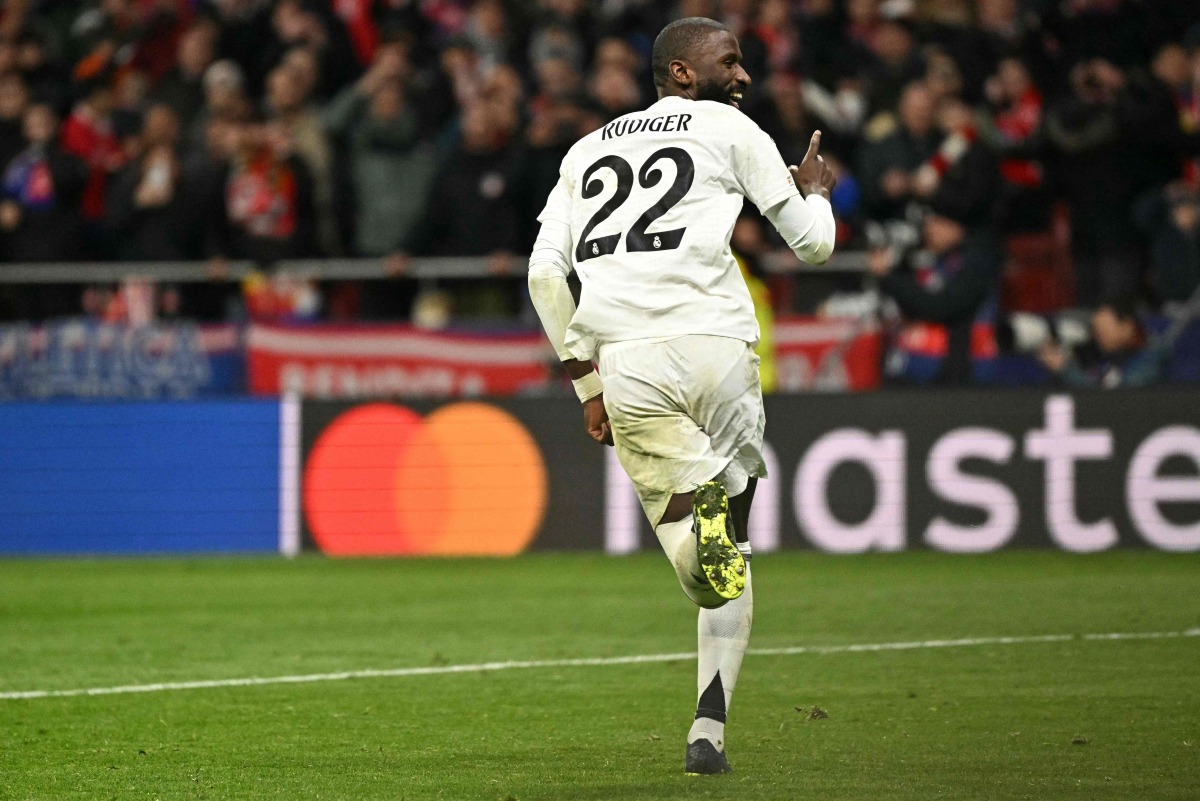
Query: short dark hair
x=677, y=41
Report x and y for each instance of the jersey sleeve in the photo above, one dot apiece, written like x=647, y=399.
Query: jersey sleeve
x=759, y=170
x=558, y=205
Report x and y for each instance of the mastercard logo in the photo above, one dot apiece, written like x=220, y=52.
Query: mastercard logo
x=466, y=480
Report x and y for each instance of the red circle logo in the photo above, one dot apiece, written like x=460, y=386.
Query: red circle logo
x=466, y=480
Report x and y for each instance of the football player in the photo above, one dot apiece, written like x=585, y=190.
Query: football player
x=643, y=211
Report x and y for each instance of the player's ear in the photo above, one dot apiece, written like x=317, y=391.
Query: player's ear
x=681, y=72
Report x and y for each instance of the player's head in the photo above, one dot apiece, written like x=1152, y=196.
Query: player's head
x=699, y=58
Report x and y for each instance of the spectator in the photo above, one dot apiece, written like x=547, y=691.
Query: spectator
x=1012, y=129
x=888, y=164
x=614, y=51
x=615, y=91
x=14, y=100
x=1179, y=73
x=896, y=64
x=557, y=80
x=39, y=215
x=182, y=89
x=473, y=185
x=89, y=135
x=1150, y=130
x=773, y=26
x=783, y=115
x=948, y=305
x=949, y=299
x=476, y=183
x=390, y=166
x=154, y=207
x=487, y=29
x=1124, y=355
x=461, y=74
x=942, y=76
x=501, y=98
x=287, y=105
x=961, y=179
x=303, y=63
x=206, y=169
x=863, y=19
x=311, y=25
x=1171, y=220
x=1006, y=32
x=561, y=31
x=129, y=105
x=1084, y=133
x=224, y=98
x=265, y=209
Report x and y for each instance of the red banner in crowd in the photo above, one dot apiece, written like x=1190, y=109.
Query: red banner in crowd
x=392, y=360
x=834, y=354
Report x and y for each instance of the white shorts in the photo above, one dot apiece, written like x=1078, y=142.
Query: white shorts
x=684, y=411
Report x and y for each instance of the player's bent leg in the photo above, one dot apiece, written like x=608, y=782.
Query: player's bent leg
x=716, y=543
x=700, y=534
x=679, y=544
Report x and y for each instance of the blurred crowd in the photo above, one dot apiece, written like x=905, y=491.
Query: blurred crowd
x=164, y=130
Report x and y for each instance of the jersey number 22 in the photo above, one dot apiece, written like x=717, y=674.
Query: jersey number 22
x=636, y=240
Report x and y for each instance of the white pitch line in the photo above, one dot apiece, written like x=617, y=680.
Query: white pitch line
x=484, y=667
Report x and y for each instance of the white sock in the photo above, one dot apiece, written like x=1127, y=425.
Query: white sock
x=722, y=638
x=679, y=543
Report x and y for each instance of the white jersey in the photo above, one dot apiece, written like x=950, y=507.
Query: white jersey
x=651, y=200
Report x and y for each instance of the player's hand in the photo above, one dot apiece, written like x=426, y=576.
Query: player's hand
x=595, y=420
x=813, y=175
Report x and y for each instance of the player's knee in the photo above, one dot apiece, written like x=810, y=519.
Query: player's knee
x=699, y=593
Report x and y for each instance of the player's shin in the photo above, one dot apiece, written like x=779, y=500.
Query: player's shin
x=722, y=637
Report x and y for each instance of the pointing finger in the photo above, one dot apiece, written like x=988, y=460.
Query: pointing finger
x=813, y=146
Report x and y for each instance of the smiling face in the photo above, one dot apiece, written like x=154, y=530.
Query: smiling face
x=715, y=69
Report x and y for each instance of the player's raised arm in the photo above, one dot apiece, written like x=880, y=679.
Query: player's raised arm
x=806, y=223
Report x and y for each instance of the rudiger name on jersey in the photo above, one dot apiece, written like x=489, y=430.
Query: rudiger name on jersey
x=668, y=122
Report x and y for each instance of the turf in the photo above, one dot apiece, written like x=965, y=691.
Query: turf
x=1055, y=720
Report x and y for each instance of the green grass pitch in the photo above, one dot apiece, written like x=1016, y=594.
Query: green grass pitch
x=1073, y=719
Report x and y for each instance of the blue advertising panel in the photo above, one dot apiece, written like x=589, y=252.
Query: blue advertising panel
x=139, y=477
x=79, y=358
